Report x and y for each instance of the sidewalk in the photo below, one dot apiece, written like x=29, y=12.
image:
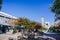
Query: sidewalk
x=6, y=36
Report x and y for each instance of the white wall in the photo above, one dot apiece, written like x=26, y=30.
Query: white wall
x=4, y=21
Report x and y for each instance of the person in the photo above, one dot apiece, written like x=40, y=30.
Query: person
x=14, y=30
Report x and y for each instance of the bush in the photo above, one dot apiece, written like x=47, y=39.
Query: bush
x=56, y=30
x=44, y=28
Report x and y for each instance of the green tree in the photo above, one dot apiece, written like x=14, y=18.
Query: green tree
x=28, y=24
x=38, y=26
x=56, y=9
x=24, y=22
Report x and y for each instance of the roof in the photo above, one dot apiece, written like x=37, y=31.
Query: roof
x=7, y=15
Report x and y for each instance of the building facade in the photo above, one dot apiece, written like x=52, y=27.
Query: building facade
x=5, y=20
x=47, y=25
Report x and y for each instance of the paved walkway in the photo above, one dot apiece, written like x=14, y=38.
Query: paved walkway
x=6, y=36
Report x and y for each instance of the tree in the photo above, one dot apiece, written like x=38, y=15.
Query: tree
x=24, y=22
x=0, y=4
x=28, y=24
x=14, y=22
x=38, y=26
x=32, y=23
x=56, y=9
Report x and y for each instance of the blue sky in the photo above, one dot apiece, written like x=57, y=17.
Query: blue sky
x=31, y=9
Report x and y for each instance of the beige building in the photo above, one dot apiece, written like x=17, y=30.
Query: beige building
x=56, y=24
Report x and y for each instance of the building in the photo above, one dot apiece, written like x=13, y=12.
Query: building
x=42, y=21
x=57, y=24
x=5, y=20
x=47, y=25
x=44, y=24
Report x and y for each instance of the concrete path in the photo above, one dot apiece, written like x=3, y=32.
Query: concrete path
x=6, y=36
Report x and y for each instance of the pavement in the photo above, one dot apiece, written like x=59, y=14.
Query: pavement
x=7, y=36
x=4, y=37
